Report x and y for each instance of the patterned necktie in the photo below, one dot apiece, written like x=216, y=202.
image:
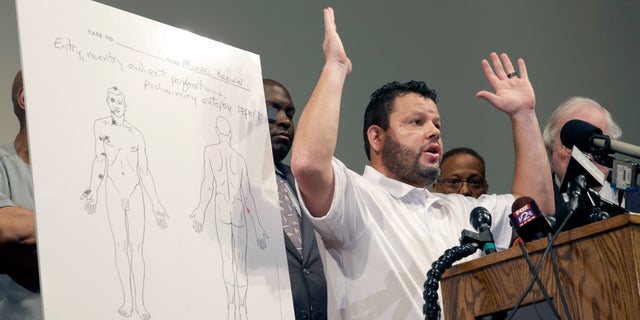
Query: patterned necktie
x=290, y=217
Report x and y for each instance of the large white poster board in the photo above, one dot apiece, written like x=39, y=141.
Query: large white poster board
x=154, y=182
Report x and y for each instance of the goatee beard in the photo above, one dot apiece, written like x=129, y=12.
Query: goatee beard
x=405, y=164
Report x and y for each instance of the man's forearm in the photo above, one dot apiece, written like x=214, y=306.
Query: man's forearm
x=532, y=176
x=17, y=226
x=317, y=132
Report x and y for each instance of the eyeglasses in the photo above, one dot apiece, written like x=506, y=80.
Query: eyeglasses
x=456, y=184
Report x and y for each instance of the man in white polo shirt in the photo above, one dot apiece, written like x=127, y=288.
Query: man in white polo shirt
x=382, y=230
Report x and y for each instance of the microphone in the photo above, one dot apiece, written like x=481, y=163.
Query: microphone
x=580, y=165
x=585, y=206
x=589, y=137
x=625, y=172
x=578, y=133
x=530, y=224
x=480, y=219
x=571, y=214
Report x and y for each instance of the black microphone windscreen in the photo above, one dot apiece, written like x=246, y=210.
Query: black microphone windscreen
x=480, y=218
x=577, y=132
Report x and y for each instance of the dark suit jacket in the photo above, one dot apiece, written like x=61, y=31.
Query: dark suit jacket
x=560, y=203
x=308, y=284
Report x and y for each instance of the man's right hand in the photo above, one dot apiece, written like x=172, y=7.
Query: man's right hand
x=333, y=48
x=18, y=236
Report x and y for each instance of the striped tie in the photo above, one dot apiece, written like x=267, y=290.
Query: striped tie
x=290, y=217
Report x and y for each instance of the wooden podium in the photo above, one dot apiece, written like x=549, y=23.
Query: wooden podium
x=598, y=265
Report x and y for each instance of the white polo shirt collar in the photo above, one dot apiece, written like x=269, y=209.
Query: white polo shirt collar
x=396, y=188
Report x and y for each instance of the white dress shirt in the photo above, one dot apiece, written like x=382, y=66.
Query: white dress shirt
x=382, y=236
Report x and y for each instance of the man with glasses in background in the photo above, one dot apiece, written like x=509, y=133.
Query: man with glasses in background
x=462, y=171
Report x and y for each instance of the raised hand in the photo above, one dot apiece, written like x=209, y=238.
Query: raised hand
x=333, y=49
x=513, y=91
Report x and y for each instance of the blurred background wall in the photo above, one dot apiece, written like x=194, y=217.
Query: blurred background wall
x=589, y=48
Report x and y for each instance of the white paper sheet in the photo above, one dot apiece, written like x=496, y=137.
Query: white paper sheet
x=137, y=114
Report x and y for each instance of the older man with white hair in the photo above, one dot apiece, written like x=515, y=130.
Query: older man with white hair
x=587, y=110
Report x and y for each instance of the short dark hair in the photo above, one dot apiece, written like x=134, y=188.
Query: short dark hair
x=381, y=104
x=463, y=150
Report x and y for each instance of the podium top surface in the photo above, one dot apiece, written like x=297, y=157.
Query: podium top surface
x=616, y=222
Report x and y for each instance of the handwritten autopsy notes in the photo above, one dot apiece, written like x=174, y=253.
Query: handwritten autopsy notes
x=153, y=172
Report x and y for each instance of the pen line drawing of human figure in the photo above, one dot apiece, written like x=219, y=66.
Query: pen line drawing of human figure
x=120, y=164
x=226, y=190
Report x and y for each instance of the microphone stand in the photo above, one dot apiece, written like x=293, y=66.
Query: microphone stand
x=470, y=243
x=579, y=193
x=431, y=309
x=595, y=211
x=603, y=143
x=574, y=191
